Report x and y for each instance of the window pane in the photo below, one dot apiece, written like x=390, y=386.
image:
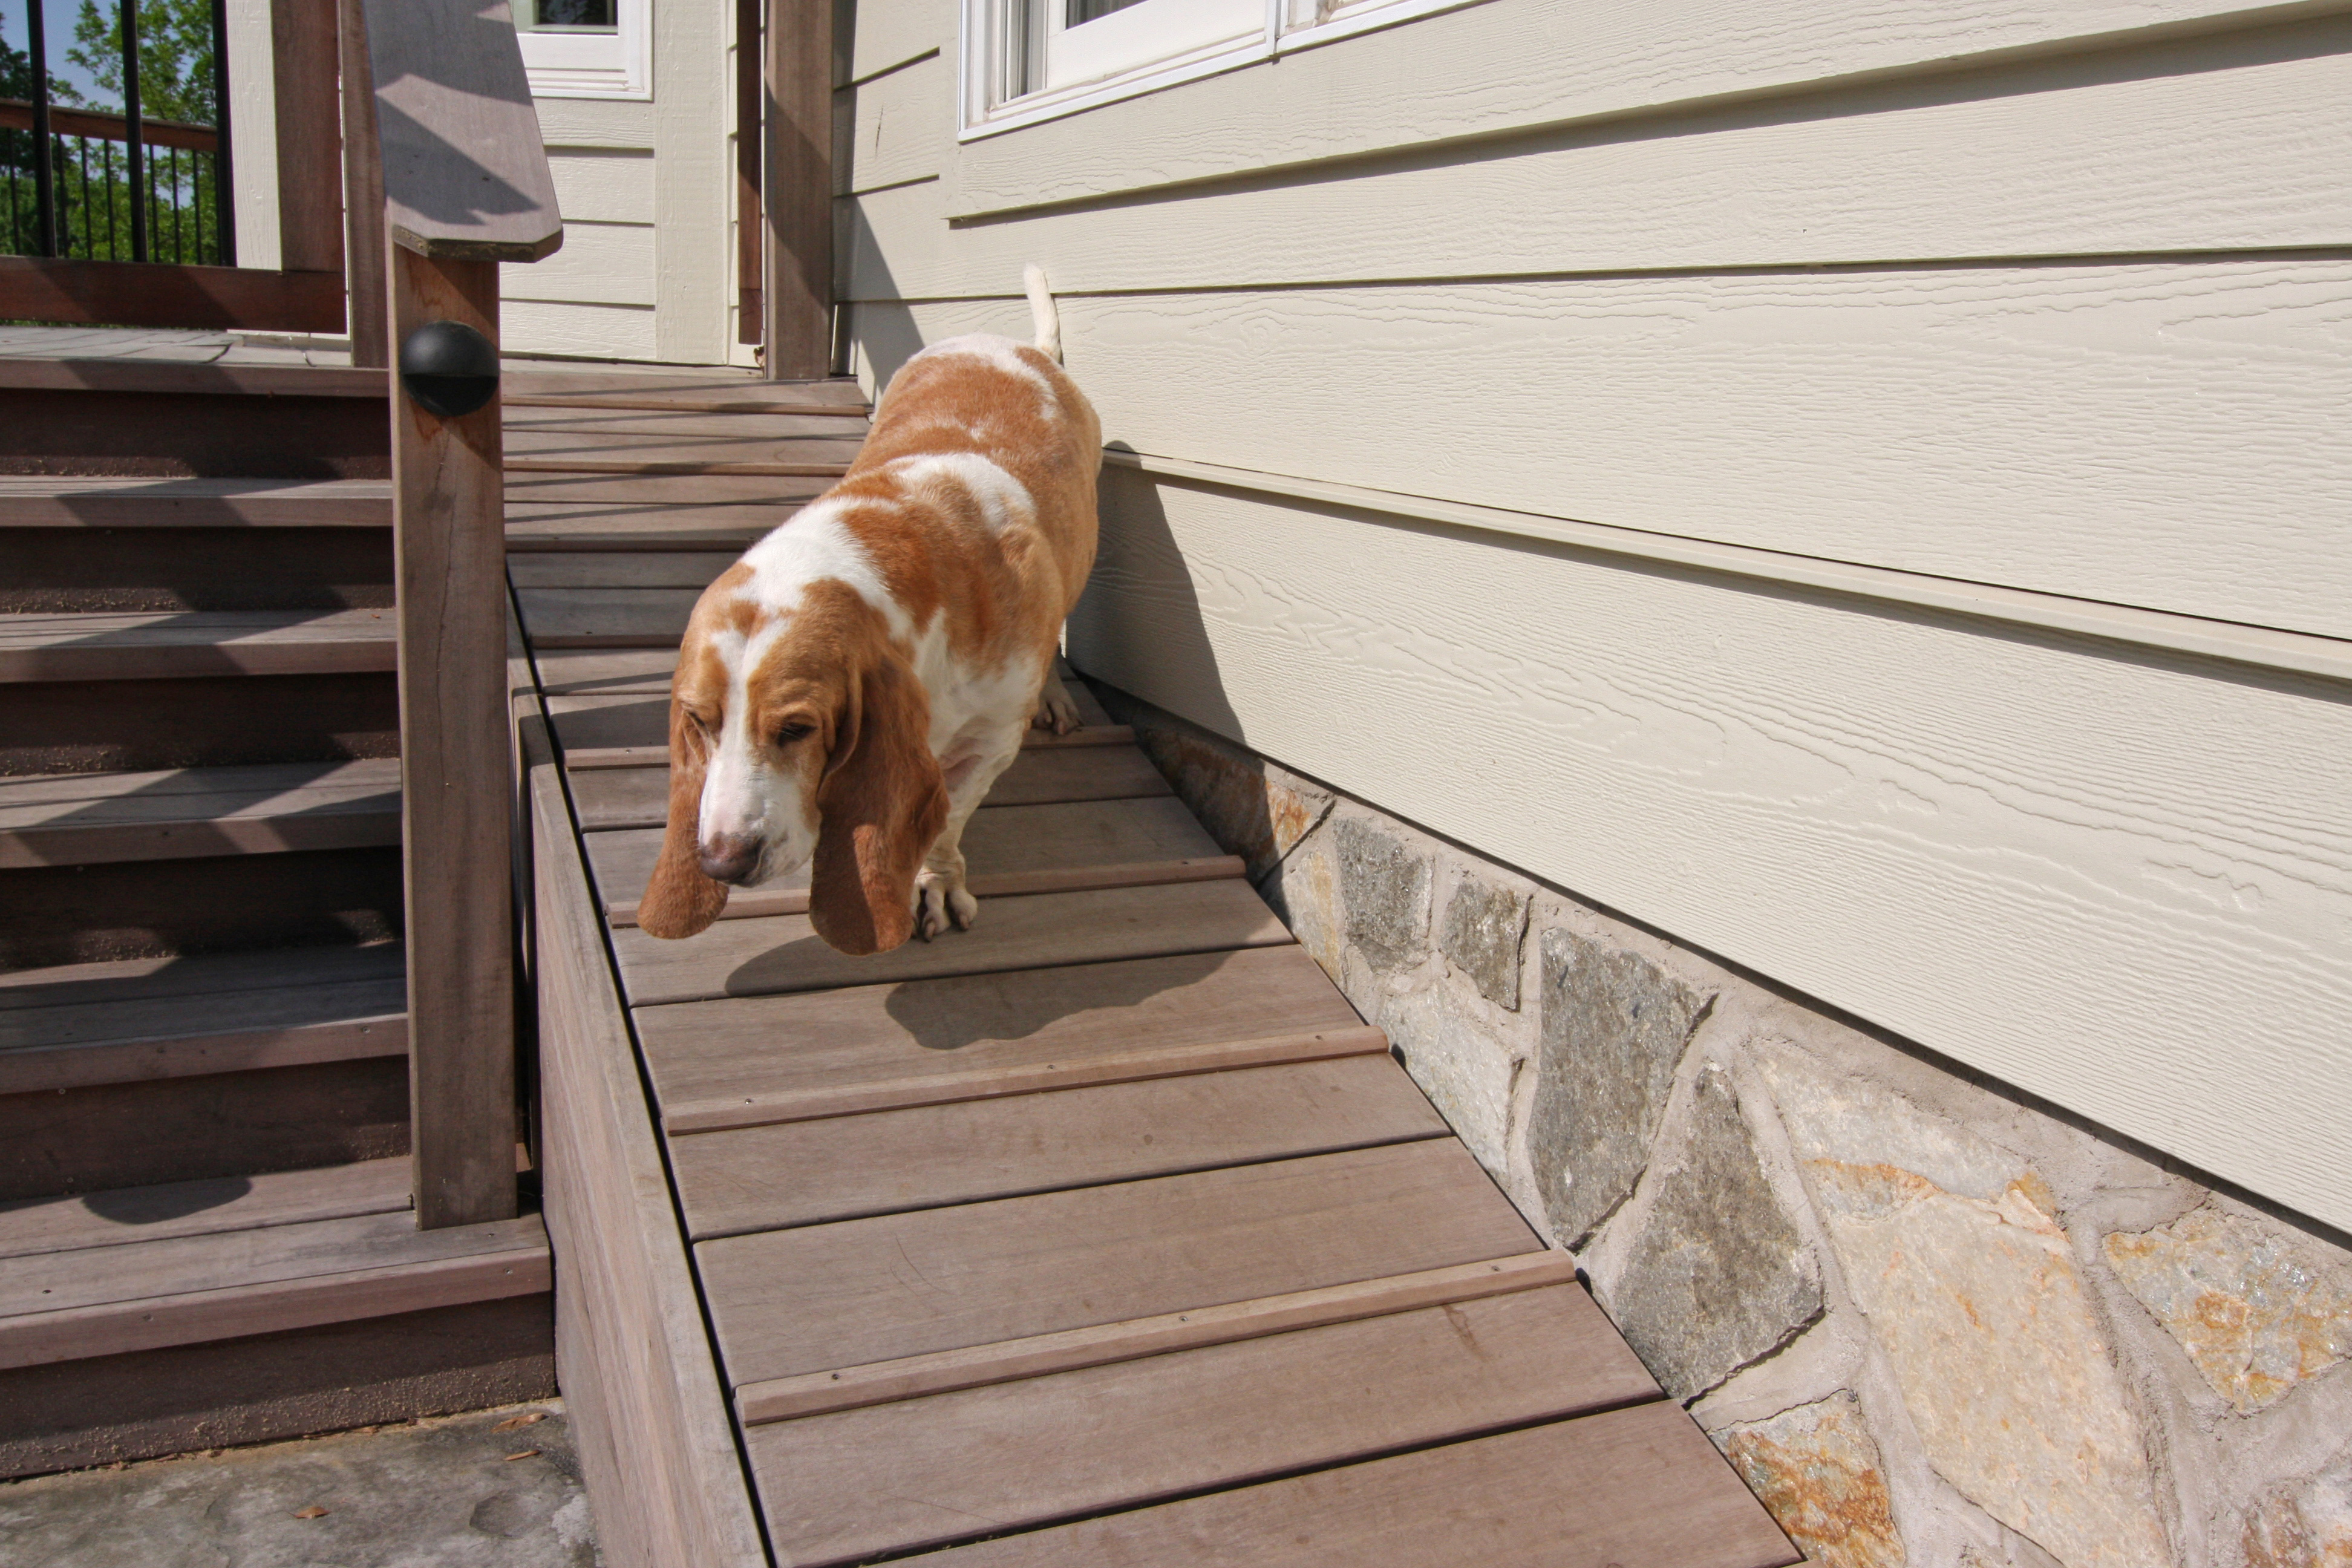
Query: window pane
x=1084, y=11
x=568, y=16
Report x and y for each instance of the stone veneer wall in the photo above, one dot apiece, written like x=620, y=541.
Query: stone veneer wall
x=1928, y=1321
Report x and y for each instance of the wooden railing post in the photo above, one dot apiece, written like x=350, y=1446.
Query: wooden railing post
x=448, y=539
x=364, y=253
x=310, y=161
x=465, y=186
x=799, y=295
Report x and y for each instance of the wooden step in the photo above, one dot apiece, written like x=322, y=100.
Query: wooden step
x=953, y=1467
x=136, y=1020
x=174, y=1209
x=75, y=503
x=787, y=1302
x=112, y=1300
x=890, y=1162
x=98, y=646
x=183, y=569
x=706, y=391
x=783, y=952
x=545, y=522
x=639, y=796
x=725, y=1063
x=74, y=820
x=1635, y=1488
x=155, y=419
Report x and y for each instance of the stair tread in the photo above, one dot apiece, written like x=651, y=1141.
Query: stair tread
x=59, y=819
x=176, y=1209
x=115, y=645
x=83, y=501
x=149, y=979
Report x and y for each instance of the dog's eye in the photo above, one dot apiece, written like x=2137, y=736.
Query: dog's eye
x=790, y=732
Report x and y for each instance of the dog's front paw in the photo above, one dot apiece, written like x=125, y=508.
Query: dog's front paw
x=1056, y=711
x=941, y=905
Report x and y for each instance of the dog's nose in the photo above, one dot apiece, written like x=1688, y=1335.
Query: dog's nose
x=730, y=858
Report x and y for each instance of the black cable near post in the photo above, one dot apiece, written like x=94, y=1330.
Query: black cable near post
x=224, y=208
x=45, y=185
x=134, y=161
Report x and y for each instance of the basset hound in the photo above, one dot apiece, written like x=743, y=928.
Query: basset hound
x=849, y=689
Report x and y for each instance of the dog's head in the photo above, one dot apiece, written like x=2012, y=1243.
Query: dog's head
x=797, y=732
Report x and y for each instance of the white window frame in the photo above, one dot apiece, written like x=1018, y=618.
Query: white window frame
x=593, y=64
x=995, y=31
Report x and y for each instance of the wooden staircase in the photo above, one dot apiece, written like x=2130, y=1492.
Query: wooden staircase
x=204, y=1188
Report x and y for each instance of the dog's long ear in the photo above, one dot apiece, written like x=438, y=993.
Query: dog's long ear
x=882, y=802
x=680, y=899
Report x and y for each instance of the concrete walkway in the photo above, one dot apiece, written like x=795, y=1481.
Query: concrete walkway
x=455, y=1491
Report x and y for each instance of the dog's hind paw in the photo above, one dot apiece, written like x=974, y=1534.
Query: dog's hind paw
x=1056, y=709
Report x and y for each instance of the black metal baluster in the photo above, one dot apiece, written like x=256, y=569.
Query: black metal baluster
x=223, y=209
x=133, y=149
x=45, y=195
x=88, y=234
x=106, y=158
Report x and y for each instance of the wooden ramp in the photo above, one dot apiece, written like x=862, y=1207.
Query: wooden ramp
x=1103, y=1232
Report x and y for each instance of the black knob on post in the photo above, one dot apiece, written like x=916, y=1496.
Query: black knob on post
x=449, y=368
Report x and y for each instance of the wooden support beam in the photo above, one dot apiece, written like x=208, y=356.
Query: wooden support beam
x=448, y=528
x=799, y=294
x=302, y=36
x=750, y=291
x=168, y=294
x=363, y=179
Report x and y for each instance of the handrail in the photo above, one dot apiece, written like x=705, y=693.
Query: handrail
x=465, y=186
x=16, y=114
x=465, y=172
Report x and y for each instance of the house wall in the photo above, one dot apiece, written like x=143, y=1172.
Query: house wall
x=1930, y=1321
x=2045, y=299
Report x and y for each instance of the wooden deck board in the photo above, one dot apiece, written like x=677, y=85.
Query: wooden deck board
x=1009, y=849
x=45, y=503
x=888, y=1162
x=148, y=646
x=202, y=1208
x=620, y=568
x=952, y=1467
x=639, y=798
x=1638, y=1487
x=783, y=952
x=722, y=1063
x=791, y=1301
x=73, y=819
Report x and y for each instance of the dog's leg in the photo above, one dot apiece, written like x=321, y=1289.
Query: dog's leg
x=941, y=900
x=1056, y=711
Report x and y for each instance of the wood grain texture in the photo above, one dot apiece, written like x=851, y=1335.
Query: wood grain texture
x=454, y=807
x=135, y=1214
x=137, y=1040
x=164, y=294
x=106, y=647
x=783, y=952
x=1040, y=1355
x=656, y=1445
x=465, y=168
x=620, y=568
x=305, y=41
x=798, y=200
x=362, y=206
x=1487, y=70
x=30, y=502
x=555, y=527
x=1640, y=1487
x=2108, y=837
x=637, y=797
x=1000, y=842
x=928, y=1472
x=615, y=434
x=712, y=1063
x=497, y=1260
x=792, y=1302
x=72, y=820
x=2107, y=432
x=846, y=1167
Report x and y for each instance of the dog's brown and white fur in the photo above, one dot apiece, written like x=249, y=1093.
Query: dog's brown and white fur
x=849, y=692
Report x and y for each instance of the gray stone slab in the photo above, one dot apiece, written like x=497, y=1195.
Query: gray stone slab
x=1481, y=934
x=453, y=1491
x=1614, y=1026
x=1385, y=888
x=1719, y=1275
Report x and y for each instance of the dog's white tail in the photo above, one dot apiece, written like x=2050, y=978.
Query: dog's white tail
x=1042, y=313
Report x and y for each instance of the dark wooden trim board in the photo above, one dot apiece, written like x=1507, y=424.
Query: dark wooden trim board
x=162, y=294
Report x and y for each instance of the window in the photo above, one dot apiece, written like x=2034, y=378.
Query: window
x=1026, y=60
x=584, y=48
